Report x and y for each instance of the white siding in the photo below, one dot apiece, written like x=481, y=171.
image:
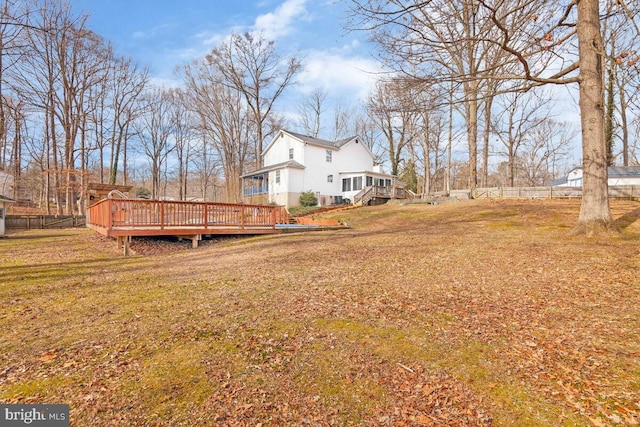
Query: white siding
x=317, y=169
x=574, y=179
x=278, y=151
x=631, y=180
x=354, y=157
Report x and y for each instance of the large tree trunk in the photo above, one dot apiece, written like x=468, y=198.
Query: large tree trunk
x=595, y=214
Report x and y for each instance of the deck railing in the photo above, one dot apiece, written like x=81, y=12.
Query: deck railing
x=131, y=213
x=370, y=192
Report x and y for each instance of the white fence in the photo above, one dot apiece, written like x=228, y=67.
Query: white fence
x=618, y=192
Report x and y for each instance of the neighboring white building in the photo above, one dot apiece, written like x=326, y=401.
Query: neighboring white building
x=5, y=203
x=6, y=184
x=293, y=164
x=618, y=175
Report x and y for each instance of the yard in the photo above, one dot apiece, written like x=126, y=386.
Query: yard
x=477, y=313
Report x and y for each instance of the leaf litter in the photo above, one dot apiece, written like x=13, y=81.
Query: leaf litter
x=476, y=314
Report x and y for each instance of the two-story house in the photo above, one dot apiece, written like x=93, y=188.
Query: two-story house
x=293, y=163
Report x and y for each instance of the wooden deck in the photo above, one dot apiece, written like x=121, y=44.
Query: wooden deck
x=137, y=217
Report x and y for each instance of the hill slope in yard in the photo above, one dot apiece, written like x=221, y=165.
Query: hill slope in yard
x=480, y=313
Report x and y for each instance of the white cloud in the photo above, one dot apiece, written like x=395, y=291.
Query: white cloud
x=339, y=75
x=282, y=20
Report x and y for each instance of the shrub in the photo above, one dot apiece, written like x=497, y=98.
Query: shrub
x=308, y=198
x=143, y=193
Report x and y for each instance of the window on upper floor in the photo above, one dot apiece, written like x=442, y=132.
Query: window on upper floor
x=290, y=153
x=329, y=178
x=329, y=155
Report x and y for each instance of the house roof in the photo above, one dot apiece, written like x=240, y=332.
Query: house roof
x=624, y=171
x=557, y=182
x=612, y=172
x=289, y=164
x=318, y=141
x=6, y=199
x=371, y=173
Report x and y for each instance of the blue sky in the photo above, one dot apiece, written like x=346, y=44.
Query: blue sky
x=164, y=34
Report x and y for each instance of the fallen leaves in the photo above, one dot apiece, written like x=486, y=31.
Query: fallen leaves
x=480, y=314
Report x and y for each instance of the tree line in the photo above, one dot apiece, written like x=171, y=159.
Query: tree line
x=73, y=111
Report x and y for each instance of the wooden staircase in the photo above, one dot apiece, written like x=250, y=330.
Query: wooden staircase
x=374, y=192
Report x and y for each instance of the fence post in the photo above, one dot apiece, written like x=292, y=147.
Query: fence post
x=161, y=214
x=273, y=216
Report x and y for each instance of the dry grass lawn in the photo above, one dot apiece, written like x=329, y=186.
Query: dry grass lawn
x=478, y=313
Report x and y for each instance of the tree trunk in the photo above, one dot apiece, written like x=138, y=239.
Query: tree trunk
x=595, y=214
x=487, y=134
x=472, y=139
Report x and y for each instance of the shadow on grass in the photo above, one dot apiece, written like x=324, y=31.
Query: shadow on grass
x=19, y=235
x=627, y=219
x=44, y=273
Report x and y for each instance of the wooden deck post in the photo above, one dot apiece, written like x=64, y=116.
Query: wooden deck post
x=161, y=215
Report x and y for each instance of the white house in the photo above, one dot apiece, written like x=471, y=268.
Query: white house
x=293, y=163
x=618, y=175
x=6, y=183
x=5, y=203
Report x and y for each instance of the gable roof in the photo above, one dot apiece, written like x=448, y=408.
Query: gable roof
x=318, y=141
x=306, y=139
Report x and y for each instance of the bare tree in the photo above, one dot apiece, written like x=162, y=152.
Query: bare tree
x=224, y=120
x=437, y=42
x=126, y=83
x=154, y=130
x=310, y=112
x=250, y=65
x=184, y=127
x=534, y=35
x=622, y=78
x=545, y=151
x=391, y=107
x=522, y=113
x=12, y=24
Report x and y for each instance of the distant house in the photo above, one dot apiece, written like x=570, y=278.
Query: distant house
x=334, y=170
x=5, y=202
x=6, y=184
x=618, y=175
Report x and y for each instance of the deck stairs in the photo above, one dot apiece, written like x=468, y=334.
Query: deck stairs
x=373, y=193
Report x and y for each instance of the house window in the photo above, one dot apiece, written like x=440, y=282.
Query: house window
x=357, y=183
x=329, y=154
x=329, y=178
x=290, y=153
x=346, y=184
x=369, y=181
x=277, y=177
